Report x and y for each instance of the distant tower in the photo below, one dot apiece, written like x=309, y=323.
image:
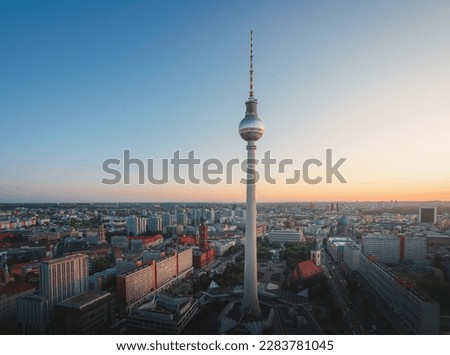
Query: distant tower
x=251, y=129
x=203, y=240
x=101, y=234
x=4, y=272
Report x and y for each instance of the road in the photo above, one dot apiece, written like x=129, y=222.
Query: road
x=338, y=287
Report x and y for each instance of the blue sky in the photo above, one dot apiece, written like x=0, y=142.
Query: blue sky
x=80, y=81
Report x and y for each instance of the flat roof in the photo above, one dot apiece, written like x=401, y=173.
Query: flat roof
x=84, y=299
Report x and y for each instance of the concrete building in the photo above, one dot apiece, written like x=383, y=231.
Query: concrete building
x=136, y=225
x=89, y=313
x=8, y=296
x=335, y=247
x=428, y=214
x=167, y=219
x=182, y=218
x=99, y=280
x=285, y=236
x=163, y=315
x=418, y=312
x=352, y=252
x=394, y=248
x=145, y=242
x=59, y=280
x=384, y=246
x=222, y=246
x=155, y=223
x=137, y=284
x=120, y=241
x=34, y=313
x=413, y=248
x=64, y=277
x=101, y=234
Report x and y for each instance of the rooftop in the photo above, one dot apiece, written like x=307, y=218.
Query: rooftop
x=84, y=299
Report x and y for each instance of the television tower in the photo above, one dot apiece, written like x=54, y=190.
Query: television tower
x=251, y=129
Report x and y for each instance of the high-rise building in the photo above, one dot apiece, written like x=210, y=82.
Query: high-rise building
x=135, y=285
x=101, y=234
x=385, y=247
x=251, y=128
x=196, y=217
x=89, y=313
x=154, y=223
x=419, y=313
x=182, y=218
x=64, y=277
x=393, y=248
x=427, y=214
x=136, y=225
x=352, y=252
x=60, y=279
x=413, y=248
x=167, y=219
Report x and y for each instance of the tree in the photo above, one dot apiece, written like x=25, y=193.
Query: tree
x=100, y=264
x=275, y=245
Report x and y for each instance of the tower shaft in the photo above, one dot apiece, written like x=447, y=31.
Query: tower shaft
x=250, y=301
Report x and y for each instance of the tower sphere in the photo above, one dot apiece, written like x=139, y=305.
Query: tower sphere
x=251, y=128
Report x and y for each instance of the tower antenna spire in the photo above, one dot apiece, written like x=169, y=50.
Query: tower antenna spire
x=251, y=92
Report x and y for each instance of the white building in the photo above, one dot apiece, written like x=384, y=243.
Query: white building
x=222, y=246
x=59, y=280
x=352, y=253
x=415, y=248
x=285, y=236
x=65, y=277
x=335, y=247
x=394, y=248
x=385, y=247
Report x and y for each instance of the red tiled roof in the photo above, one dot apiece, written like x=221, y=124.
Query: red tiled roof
x=307, y=269
x=14, y=287
x=5, y=235
x=147, y=238
x=187, y=239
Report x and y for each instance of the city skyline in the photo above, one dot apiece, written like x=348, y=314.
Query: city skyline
x=83, y=82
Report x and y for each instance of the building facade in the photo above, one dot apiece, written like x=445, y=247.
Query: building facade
x=135, y=285
x=394, y=248
x=59, y=280
x=352, y=253
x=419, y=313
x=285, y=236
x=155, y=223
x=64, y=277
x=89, y=313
